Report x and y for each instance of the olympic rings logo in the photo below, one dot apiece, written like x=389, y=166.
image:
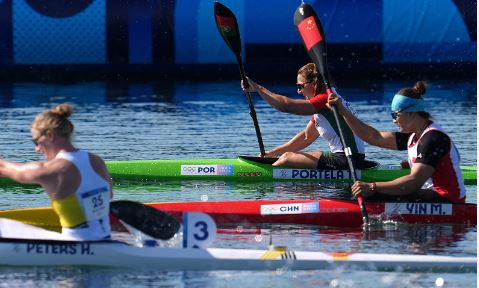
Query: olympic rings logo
x=188, y=169
x=268, y=210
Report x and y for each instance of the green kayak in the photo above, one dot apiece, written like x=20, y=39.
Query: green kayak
x=247, y=169
x=251, y=169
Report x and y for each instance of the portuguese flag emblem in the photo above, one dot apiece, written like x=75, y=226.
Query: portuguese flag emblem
x=227, y=26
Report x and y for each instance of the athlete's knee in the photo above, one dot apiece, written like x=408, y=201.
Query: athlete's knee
x=288, y=155
x=284, y=159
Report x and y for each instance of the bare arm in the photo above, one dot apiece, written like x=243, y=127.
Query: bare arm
x=404, y=185
x=367, y=133
x=302, y=140
x=280, y=102
x=29, y=173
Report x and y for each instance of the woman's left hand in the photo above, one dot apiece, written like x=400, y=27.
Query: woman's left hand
x=333, y=100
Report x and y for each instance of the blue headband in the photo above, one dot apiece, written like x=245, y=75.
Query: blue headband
x=407, y=104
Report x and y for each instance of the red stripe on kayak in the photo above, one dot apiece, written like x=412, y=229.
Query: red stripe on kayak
x=338, y=213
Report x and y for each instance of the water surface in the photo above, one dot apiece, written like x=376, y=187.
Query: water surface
x=184, y=120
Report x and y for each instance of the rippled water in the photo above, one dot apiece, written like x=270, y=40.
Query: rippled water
x=183, y=120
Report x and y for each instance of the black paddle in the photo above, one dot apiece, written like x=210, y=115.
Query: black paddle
x=260, y=160
x=228, y=28
x=314, y=40
x=146, y=219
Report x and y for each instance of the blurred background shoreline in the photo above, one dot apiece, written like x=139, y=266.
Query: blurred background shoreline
x=140, y=40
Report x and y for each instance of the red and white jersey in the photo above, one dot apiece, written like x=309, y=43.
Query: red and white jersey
x=328, y=129
x=447, y=178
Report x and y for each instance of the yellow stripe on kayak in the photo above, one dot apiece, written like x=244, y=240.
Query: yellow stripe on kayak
x=271, y=255
x=43, y=217
x=340, y=256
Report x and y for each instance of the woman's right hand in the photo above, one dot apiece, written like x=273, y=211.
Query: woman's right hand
x=268, y=154
x=249, y=85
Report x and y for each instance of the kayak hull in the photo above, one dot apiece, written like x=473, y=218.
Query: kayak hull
x=246, y=170
x=19, y=252
x=323, y=212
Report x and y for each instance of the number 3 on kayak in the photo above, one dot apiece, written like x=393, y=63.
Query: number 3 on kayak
x=199, y=230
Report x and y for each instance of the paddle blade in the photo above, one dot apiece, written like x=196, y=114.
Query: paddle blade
x=261, y=160
x=314, y=40
x=228, y=27
x=150, y=221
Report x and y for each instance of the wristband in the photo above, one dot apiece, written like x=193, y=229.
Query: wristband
x=372, y=186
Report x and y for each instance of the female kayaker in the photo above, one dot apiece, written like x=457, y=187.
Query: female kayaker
x=77, y=182
x=322, y=124
x=434, y=160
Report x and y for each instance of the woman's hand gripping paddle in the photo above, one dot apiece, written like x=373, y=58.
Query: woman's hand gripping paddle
x=228, y=28
x=314, y=40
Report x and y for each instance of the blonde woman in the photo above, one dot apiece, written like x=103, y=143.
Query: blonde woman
x=77, y=182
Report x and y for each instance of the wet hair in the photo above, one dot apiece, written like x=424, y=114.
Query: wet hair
x=55, y=120
x=416, y=92
x=310, y=73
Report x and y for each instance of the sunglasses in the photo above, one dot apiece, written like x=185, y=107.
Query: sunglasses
x=301, y=85
x=35, y=140
x=396, y=114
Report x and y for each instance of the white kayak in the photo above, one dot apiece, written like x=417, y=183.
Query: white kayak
x=27, y=252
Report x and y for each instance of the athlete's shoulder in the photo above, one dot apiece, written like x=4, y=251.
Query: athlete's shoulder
x=435, y=136
x=319, y=101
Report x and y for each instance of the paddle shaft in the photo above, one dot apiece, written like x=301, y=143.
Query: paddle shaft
x=312, y=33
x=347, y=149
x=252, y=111
x=229, y=31
x=347, y=152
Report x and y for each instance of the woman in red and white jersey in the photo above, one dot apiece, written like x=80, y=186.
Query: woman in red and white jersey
x=322, y=124
x=434, y=160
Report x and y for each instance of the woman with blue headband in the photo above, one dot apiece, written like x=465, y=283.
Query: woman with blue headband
x=434, y=160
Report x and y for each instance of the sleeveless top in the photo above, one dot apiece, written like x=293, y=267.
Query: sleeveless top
x=84, y=215
x=447, y=178
x=326, y=125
